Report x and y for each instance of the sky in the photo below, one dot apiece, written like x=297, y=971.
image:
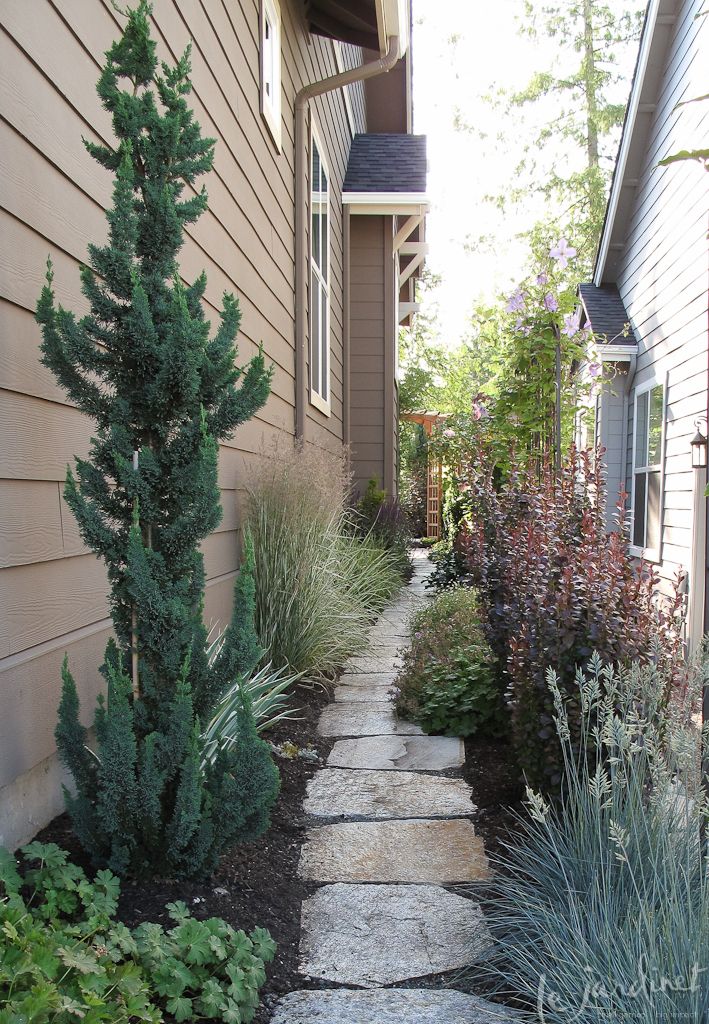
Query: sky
x=460, y=49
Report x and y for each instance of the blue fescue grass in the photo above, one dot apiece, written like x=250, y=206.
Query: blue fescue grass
x=600, y=910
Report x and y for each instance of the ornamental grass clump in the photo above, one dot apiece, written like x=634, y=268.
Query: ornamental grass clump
x=600, y=910
x=449, y=682
x=163, y=391
x=318, y=583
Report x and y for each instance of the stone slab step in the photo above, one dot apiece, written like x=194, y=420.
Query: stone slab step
x=371, y=935
x=372, y=663
x=388, y=1006
x=399, y=753
x=364, y=720
x=421, y=850
x=363, y=694
x=368, y=679
x=342, y=793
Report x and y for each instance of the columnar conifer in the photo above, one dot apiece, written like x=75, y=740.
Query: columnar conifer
x=163, y=391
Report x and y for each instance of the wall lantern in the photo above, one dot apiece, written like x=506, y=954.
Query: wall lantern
x=699, y=450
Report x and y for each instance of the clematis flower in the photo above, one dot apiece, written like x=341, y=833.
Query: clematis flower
x=515, y=303
x=543, y=278
x=448, y=432
x=594, y=369
x=562, y=252
x=479, y=411
x=571, y=324
x=550, y=302
x=519, y=323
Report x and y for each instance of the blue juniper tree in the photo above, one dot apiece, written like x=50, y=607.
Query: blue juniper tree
x=163, y=391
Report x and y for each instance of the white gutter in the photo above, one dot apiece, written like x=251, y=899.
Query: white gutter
x=628, y=131
x=617, y=353
x=386, y=199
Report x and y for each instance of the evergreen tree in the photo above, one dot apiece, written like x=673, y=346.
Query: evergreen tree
x=163, y=393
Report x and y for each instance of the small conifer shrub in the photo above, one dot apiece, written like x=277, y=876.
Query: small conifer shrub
x=163, y=393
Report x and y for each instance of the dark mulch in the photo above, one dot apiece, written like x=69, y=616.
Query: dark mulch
x=496, y=781
x=256, y=884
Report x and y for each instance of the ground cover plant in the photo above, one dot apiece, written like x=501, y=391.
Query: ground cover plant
x=163, y=393
x=601, y=910
x=448, y=682
x=64, y=956
x=319, y=583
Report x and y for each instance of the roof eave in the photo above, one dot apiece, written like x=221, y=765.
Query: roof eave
x=387, y=202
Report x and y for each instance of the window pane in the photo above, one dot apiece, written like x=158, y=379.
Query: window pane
x=323, y=187
x=315, y=331
x=325, y=239
x=315, y=236
x=325, y=341
x=641, y=429
x=655, y=427
x=652, y=533
x=639, y=510
x=315, y=180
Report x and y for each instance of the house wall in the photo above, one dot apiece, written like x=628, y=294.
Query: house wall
x=610, y=427
x=54, y=196
x=662, y=276
x=373, y=392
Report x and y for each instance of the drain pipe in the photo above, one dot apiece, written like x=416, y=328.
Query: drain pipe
x=358, y=74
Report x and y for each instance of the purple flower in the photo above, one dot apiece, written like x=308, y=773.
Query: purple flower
x=479, y=411
x=550, y=302
x=543, y=278
x=515, y=303
x=562, y=252
x=519, y=323
x=449, y=433
x=594, y=369
x=571, y=324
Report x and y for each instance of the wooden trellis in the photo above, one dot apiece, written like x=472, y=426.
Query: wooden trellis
x=434, y=475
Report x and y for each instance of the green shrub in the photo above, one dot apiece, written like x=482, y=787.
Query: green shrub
x=448, y=682
x=605, y=894
x=449, y=565
x=382, y=517
x=64, y=957
x=318, y=584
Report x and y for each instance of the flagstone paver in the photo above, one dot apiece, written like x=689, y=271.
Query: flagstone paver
x=381, y=815
x=363, y=694
x=388, y=1006
x=425, y=753
x=339, y=793
x=374, y=719
x=372, y=664
x=369, y=679
x=370, y=935
x=441, y=852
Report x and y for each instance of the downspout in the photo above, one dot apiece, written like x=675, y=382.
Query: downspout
x=309, y=92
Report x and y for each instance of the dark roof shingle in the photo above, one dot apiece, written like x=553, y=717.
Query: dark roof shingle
x=386, y=163
x=607, y=316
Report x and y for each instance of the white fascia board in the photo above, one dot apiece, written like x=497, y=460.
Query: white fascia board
x=633, y=108
x=617, y=353
x=387, y=202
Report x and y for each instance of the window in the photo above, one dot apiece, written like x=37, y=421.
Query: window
x=647, y=470
x=319, y=281
x=271, y=68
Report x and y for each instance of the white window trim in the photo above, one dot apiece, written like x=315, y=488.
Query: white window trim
x=271, y=108
x=649, y=554
x=316, y=399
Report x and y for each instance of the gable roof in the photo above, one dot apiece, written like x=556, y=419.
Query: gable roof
x=386, y=163
x=605, y=313
x=647, y=80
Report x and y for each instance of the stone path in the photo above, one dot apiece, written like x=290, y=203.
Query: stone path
x=388, y=833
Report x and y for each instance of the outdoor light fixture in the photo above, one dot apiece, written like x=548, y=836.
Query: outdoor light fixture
x=699, y=450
